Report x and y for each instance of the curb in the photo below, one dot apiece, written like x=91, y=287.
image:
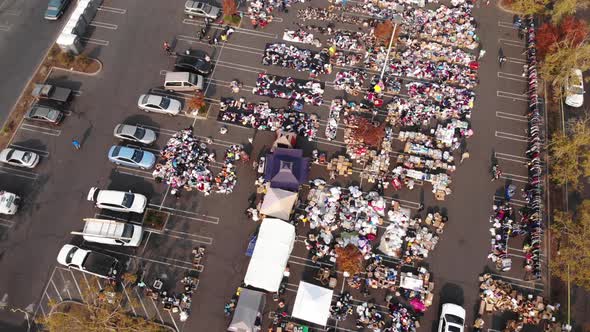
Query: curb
x=503, y=8
x=81, y=72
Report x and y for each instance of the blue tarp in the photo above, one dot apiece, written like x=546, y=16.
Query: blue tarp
x=286, y=169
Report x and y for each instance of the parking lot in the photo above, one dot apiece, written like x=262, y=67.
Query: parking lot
x=127, y=36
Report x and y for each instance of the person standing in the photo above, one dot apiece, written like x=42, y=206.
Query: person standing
x=76, y=144
x=464, y=156
x=167, y=48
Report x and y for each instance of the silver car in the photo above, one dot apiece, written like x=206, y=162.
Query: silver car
x=19, y=158
x=194, y=8
x=159, y=104
x=135, y=134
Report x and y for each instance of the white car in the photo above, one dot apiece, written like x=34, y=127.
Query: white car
x=575, y=92
x=136, y=134
x=19, y=158
x=89, y=261
x=452, y=318
x=194, y=8
x=115, y=200
x=159, y=104
x=111, y=232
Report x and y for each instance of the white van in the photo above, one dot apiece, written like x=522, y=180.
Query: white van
x=183, y=81
x=111, y=232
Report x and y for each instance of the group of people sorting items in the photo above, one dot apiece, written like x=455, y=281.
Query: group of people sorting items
x=289, y=56
x=307, y=92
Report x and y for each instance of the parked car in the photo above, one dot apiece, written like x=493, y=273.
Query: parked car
x=19, y=158
x=136, y=134
x=159, y=104
x=9, y=203
x=44, y=114
x=100, y=265
x=51, y=92
x=111, y=232
x=575, y=90
x=452, y=318
x=195, y=64
x=116, y=200
x=126, y=156
x=194, y=8
x=55, y=9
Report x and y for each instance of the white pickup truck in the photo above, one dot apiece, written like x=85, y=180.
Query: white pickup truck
x=8, y=202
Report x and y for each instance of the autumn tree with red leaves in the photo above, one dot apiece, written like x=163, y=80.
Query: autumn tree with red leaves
x=383, y=31
x=230, y=8
x=570, y=30
x=364, y=131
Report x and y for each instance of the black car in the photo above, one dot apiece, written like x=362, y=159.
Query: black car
x=195, y=64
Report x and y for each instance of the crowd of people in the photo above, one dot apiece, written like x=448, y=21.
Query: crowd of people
x=186, y=161
x=308, y=92
x=501, y=230
x=289, y=56
x=263, y=117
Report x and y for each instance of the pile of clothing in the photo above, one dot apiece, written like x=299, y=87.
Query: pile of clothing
x=402, y=320
x=261, y=116
x=390, y=84
x=340, y=310
x=392, y=240
x=300, y=36
x=323, y=14
x=336, y=108
x=403, y=112
x=500, y=231
x=434, y=51
x=498, y=295
x=348, y=213
x=350, y=81
x=308, y=92
x=260, y=11
x=369, y=317
x=289, y=56
x=185, y=165
x=438, y=71
x=348, y=59
x=353, y=40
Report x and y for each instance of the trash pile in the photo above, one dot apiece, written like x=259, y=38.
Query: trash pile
x=186, y=161
x=289, y=56
x=261, y=116
x=308, y=92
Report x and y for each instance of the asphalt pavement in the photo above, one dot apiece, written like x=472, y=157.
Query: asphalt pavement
x=128, y=42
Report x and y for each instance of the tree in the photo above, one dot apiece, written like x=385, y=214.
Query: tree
x=563, y=8
x=573, y=235
x=364, y=131
x=349, y=259
x=570, y=29
x=230, y=8
x=570, y=155
x=196, y=102
x=547, y=37
x=557, y=66
x=102, y=310
x=529, y=7
x=383, y=31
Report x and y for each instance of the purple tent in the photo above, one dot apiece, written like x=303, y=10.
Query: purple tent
x=286, y=169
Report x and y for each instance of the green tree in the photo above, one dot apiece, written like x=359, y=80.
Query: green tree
x=563, y=8
x=573, y=235
x=103, y=310
x=570, y=155
x=557, y=66
x=529, y=7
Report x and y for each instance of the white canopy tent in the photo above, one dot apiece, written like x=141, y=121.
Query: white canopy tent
x=273, y=247
x=250, y=305
x=312, y=303
x=278, y=203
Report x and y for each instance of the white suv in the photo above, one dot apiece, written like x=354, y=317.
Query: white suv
x=115, y=200
x=111, y=232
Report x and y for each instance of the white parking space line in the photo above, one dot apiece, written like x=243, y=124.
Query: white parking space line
x=6, y=223
x=511, y=42
x=237, y=30
x=511, y=157
x=56, y=290
x=129, y=300
x=513, y=137
x=512, y=96
x=12, y=12
x=173, y=320
x=233, y=47
x=17, y=172
x=203, y=217
x=5, y=27
x=112, y=10
x=100, y=42
x=517, y=60
x=103, y=25
x=42, y=153
x=158, y=311
x=513, y=77
x=135, y=146
x=510, y=116
x=66, y=283
x=141, y=301
x=515, y=202
x=106, y=216
x=40, y=305
x=77, y=285
x=514, y=177
x=190, y=237
x=39, y=129
x=520, y=282
x=521, y=250
x=507, y=25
